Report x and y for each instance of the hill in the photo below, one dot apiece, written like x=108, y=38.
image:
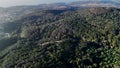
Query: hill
x=82, y=38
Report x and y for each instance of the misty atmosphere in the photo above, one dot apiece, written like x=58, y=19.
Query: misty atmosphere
x=60, y=34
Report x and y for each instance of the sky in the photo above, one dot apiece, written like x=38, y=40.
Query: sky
x=8, y=3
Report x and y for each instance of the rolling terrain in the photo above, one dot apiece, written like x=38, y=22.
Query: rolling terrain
x=61, y=35
x=59, y=38
x=9, y=14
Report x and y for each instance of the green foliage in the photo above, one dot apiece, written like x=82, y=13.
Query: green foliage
x=61, y=39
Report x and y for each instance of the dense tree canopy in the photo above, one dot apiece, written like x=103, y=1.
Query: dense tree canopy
x=84, y=38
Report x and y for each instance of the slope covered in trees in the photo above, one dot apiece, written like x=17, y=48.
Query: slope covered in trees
x=85, y=38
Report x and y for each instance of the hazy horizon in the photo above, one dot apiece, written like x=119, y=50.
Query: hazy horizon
x=8, y=3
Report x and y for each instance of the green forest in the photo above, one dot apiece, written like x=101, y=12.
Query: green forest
x=82, y=38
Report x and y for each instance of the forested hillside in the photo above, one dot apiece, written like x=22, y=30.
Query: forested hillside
x=82, y=38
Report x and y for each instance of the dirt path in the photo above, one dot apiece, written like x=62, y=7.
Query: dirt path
x=51, y=42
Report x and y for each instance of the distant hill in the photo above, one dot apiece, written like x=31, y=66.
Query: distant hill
x=96, y=3
x=11, y=13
